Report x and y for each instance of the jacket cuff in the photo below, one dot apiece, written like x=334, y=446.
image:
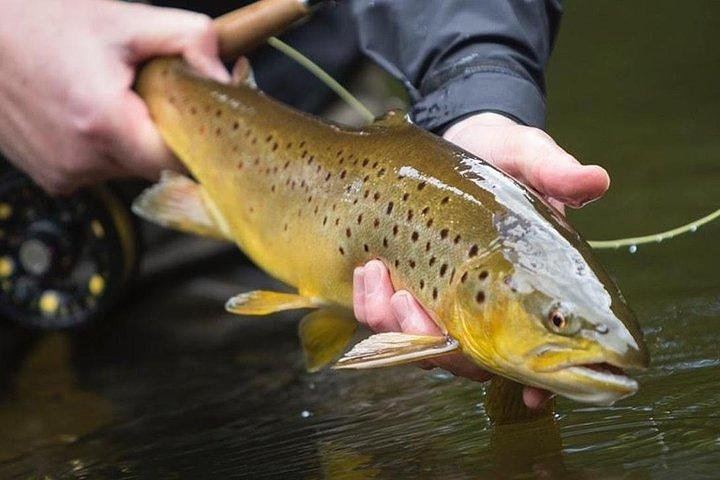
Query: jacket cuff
x=488, y=88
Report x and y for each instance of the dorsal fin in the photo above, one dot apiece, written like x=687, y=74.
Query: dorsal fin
x=242, y=73
x=393, y=118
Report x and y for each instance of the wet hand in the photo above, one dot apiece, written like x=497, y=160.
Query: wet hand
x=532, y=157
x=379, y=307
x=68, y=115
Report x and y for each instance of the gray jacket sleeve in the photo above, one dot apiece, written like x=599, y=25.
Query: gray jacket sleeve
x=459, y=57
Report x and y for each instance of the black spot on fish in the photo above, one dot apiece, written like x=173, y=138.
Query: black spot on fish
x=374, y=165
x=445, y=200
x=366, y=178
x=325, y=220
x=365, y=162
x=268, y=138
x=395, y=229
x=342, y=251
x=193, y=110
x=366, y=193
x=381, y=172
x=348, y=232
x=397, y=263
x=473, y=251
x=427, y=247
x=275, y=146
x=464, y=277
x=414, y=236
x=429, y=222
x=443, y=269
x=389, y=208
x=366, y=248
x=302, y=144
x=359, y=219
x=421, y=185
x=422, y=284
x=337, y=221
x=410, y=215
x=376, y=196
x=218, y=113
x=480, y=297
x=434, y=293
x=405, y=196
x=456, y=240
x=483, y=275
x=376, y=223
x=343, y=173
x=327, y=177
x=444, y=233
x=432, y=261
x=425, y=210
x=236, y=125
x=385, y=242
x=411, y=263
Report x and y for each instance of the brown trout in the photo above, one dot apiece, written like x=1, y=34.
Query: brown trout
x=509, y=282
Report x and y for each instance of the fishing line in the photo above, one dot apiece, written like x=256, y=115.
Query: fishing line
x=313, y=68
x=657, y=237
x=364, y=112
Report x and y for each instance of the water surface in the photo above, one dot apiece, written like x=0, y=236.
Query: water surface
x=172, y=387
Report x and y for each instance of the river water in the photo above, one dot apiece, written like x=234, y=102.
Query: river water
x=171, y=387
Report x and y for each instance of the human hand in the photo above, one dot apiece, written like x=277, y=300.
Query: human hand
x=529, y=155
x=68, y=114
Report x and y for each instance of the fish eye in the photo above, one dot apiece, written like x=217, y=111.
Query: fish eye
x=561, y=322
x=557, y=319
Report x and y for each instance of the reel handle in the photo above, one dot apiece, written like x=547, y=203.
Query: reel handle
x=245, y=28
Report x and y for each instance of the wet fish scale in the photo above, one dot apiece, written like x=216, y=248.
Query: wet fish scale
x=318, y=200
x=509, y=282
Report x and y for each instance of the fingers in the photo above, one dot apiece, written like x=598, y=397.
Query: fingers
x=372, y=290
x=536, y=398
x=166, y=31
x=137, y=144
x=410, y=316
x=531, y=156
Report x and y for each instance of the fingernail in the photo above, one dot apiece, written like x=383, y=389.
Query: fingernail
x=401, y=308
x=373, y=277
x=359, y=275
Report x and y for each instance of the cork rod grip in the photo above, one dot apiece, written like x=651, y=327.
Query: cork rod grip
x=245, y=28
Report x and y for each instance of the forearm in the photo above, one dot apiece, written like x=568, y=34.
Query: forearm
x=457, y=57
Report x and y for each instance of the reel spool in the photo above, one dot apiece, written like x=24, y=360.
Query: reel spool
x=63, y=261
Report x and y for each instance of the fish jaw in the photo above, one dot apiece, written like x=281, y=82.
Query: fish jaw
x=509, y=342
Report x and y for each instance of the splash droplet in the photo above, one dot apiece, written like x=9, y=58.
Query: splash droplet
x=693, y=228
x=306, y=414
x=632, y=249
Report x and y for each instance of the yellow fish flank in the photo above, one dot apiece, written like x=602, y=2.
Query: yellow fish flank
x=509, y=282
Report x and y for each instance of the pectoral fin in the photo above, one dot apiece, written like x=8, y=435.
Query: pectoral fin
x=324, y=334
x=263, y=302
x=387, y=349
x=180, y=203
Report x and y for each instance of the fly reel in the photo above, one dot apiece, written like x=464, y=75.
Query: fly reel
x=63, y=261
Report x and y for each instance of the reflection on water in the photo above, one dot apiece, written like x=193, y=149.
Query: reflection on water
x=174, y=388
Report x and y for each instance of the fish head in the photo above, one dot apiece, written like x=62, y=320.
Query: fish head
x=572, y=335
x=537, y=306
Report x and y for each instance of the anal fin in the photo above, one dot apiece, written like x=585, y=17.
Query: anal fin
x=324, y=334
x=263, y=302
x=387, y=349
x=180, y=203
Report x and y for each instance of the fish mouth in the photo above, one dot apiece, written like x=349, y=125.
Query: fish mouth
x=606, y=374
